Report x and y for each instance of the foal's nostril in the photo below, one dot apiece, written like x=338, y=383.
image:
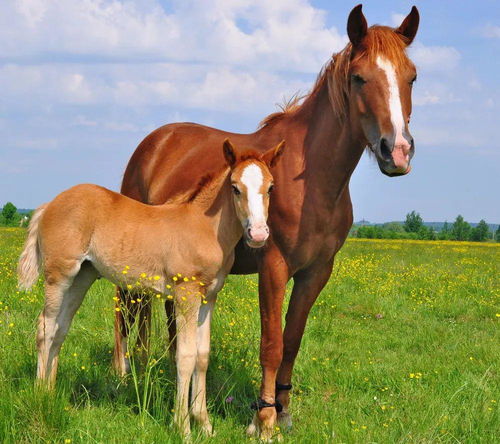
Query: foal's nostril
x=385, y=150
x=249, y=233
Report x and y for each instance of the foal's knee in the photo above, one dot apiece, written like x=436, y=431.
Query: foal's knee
x=185, y=363
x=202, y=360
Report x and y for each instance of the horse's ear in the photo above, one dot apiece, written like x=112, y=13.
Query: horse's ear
x=409, y=27
x=271, y=156
x=356, y=25
x=229, y=153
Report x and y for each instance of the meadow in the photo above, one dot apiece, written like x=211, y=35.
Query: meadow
x=402, y=346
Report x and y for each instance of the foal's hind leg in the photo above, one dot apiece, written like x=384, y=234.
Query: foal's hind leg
x=62, y=299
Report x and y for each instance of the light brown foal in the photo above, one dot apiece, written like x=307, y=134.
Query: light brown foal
x=89, y=231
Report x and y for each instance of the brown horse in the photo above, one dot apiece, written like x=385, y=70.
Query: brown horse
x=361, y=98
x=184, y=249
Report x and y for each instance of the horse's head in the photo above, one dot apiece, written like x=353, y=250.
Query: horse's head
x=252, y=183
x=380, y=77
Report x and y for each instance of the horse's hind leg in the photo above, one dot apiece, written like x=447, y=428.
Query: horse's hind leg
x=142, y=345
x=172, y=330
x=124, y=320
x=63, y=297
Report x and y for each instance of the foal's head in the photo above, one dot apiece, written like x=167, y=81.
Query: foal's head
x=380, y=77
x=252, y=184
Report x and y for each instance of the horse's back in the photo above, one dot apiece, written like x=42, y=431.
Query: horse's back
x=173, y=158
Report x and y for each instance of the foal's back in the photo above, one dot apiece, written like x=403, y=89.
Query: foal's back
x=112, y=230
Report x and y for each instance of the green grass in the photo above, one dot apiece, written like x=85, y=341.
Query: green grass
x=402, y=346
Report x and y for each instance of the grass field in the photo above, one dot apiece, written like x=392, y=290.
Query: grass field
x=403, y=346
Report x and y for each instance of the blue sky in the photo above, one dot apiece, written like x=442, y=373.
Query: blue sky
x=83, y=82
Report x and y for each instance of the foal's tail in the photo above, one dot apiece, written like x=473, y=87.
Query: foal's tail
x=28, y=268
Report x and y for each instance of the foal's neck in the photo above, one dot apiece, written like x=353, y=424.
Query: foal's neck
x=213, y=201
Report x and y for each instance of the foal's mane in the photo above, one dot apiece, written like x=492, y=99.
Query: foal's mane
x=379, y=40
x=204, y=190
x=209, y=184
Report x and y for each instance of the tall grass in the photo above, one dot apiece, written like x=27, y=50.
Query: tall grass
x=402, y=346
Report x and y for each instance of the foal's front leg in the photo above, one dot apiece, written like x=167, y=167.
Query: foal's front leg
x=187, y=305
x=199, y=388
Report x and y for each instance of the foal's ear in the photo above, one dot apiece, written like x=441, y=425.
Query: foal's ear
x=271, y=156
x=229, y=153
x=356, y=25
x=409, y=27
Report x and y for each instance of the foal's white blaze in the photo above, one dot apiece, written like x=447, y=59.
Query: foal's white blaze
x=395, y=107
x=253, y=179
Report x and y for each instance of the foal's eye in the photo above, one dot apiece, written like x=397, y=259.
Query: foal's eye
x=235, y=190
x=356, y=78
x=412, y=81
x=270, y=190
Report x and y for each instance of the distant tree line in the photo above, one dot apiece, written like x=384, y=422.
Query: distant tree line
x=10, y=217
x=414, y=228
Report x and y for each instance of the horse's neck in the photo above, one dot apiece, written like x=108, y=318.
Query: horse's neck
x=331, y=148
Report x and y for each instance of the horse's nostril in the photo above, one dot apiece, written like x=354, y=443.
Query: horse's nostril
x=385, y=150
x=249, y=232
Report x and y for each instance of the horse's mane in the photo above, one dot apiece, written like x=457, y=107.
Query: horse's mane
x=379, y=40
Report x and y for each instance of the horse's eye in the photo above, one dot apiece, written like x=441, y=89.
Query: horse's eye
x=356, y=78
x=270, y=190
x=235, y=190
x=412, y=81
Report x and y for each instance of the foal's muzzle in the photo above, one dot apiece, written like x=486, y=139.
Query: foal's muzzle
x=256, y=235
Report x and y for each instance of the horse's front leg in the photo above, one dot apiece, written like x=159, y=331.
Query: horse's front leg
x=273, y=276
x=307, y=286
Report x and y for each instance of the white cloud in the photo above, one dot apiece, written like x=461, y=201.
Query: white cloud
x=37, y=143
x=397, y=19
x=491, y=32
x=434, y=58
x=222, y=88
x=283, y=34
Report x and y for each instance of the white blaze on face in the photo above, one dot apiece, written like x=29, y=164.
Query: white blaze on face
x=253, y=179
x=395, y=108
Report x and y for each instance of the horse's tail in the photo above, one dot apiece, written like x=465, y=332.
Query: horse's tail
x=28, y=268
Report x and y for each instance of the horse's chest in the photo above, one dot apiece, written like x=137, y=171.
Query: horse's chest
x=310, y=232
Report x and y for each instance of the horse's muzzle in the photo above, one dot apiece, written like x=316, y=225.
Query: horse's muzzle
x=393, y=157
